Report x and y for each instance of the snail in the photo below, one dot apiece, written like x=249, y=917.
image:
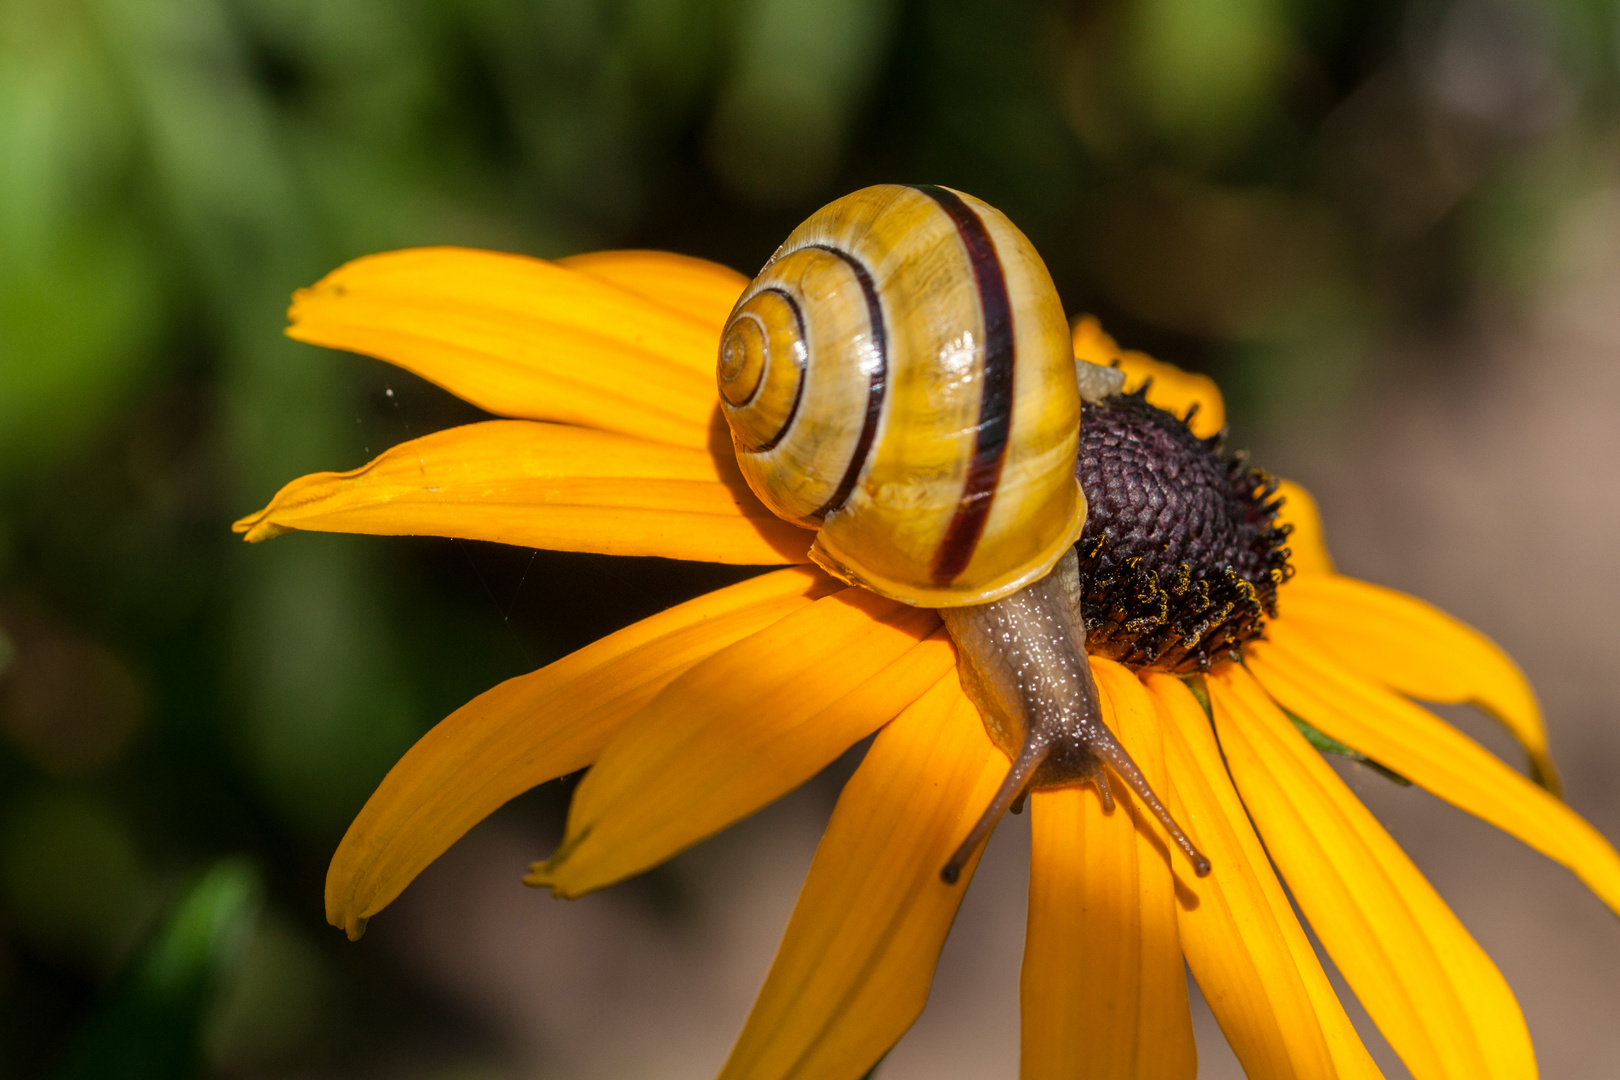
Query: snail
x=900, y=378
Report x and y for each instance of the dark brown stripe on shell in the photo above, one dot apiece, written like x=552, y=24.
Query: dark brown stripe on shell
x=996, y=393
x=877, y=382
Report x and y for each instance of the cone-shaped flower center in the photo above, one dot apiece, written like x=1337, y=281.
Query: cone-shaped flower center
x=1182, y=553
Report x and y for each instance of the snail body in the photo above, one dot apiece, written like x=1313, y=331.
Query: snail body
x=900, y=378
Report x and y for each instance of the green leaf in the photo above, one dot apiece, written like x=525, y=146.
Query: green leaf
x=1329, y=745
x=151, y=1026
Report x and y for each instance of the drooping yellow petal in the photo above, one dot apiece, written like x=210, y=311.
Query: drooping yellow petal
x=1104, y=992
x=1428, y=985
x=523, y=337
x=854, y=966
x=1419, y=650
x=535, y=728
x=547, y=486
x=742, y=729
x=1242, y=941
x=1307, y=551
x=1431, y=753
x=703, y=290
x=1172, y=389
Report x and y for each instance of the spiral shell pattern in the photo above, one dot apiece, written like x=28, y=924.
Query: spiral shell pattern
x=899, y=377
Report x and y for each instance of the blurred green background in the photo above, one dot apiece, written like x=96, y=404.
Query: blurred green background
x=1261, y=189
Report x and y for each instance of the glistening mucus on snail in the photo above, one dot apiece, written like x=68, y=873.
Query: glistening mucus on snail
x=900, y=378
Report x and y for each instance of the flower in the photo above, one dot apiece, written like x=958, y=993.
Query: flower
x=696, y=717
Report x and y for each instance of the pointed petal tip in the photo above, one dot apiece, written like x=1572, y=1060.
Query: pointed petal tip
x=342, y=910
x=543, y=875
x=548, y=873
x=258, y=527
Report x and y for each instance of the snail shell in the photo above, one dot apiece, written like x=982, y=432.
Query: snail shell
x=900, y=378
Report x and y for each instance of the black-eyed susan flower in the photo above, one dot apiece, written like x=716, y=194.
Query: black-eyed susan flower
x=694, y=718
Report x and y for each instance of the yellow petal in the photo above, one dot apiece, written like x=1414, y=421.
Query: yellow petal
x=1171, y=389
x=1415, y=743
x=697, y=288
x=1238, y=931
x=547, y=486
x=1104, y=991
x=1307, y=551
x=535, y=728
x=1427, y=984
x=523, y=337
x=1417, y=649
x=854, y=966
x=743, y=728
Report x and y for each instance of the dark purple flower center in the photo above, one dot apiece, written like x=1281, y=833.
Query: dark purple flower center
x=1182, y=553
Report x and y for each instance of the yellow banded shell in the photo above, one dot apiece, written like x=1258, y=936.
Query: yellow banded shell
x=900, y=378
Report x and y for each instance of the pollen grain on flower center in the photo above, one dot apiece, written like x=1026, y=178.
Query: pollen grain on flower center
x=1182, y=553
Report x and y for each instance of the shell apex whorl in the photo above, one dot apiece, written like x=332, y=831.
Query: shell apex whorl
x=900, y=378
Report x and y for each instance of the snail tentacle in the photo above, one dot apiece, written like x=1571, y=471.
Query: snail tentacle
x=1119, y=759
x=1013, y=789
x=1105, y=791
